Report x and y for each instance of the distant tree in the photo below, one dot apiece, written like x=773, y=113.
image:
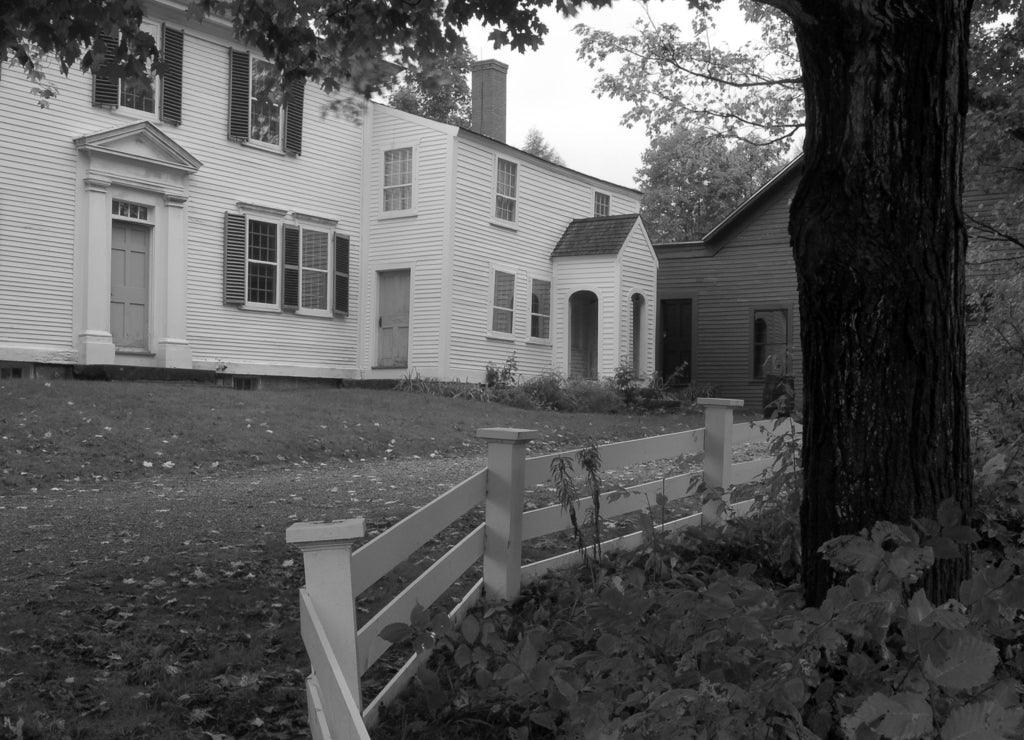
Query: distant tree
x=693, y=179
x=437, y=89
x=538, y=146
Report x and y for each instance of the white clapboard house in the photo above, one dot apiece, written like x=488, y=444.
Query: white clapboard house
x=210, y=223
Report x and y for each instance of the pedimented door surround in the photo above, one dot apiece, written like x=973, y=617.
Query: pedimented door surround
x=141, y=164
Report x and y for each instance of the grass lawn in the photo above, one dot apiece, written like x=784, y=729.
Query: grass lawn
x=148, y=592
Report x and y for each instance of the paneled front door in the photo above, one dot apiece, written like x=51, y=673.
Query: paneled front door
x=129, y=286
x=393, y=318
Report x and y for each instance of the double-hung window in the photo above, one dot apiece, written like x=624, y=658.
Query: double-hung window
x=602, y=204
x=158, y=95
x=503, y=308
x=540, y=309
x=261, y=263
x=264, y=102
x=283, y=265
x=505, y=190
x=398, y=179
x=260, y=108
x=771, y=341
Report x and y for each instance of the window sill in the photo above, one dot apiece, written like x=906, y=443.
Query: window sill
x=269, y=148
x=505, y=225
x=260, y=308
x=494, y=336
x=539, y=342
x=315, y=313
x=397, y=215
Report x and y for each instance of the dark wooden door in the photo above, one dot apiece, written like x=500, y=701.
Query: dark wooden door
x=676, y=339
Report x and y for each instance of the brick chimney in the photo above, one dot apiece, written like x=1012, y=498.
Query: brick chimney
x=489, y=77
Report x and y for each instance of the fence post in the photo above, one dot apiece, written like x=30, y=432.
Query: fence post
x=327, y=557
x=503, y=510
x=718, y=440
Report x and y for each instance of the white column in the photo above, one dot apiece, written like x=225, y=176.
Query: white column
x=172, y=347
x=327, y=557
x=503, y=511
x=718, y=423
x=95, y=345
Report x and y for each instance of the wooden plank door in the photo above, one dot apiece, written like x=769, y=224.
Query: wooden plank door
x=393, y=318
x=677, y=339
x=129, y=286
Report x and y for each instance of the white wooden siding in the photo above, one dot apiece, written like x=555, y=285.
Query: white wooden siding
x=417, y=241
x=638, y=271
x=599, y=275
x=37, y=227
x=547, y=199
x=325, y=181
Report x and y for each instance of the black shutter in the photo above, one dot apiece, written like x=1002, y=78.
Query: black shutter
x=238, y=95
x=293, y=116
x=234, y=259
x=105, y=88
x=341, y=274
x=173, y=48
x=290, y=300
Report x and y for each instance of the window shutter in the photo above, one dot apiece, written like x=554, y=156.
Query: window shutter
x=238, y=95
x=341, y=274
x=234, y=259
x=290, y=299
x=105, y=88
x=173, y=48
x=293, y=116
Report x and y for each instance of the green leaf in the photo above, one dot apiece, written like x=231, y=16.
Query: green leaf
x=852, y=552
x=969, y=663
x=872, y=708
x=911, y=717
x=919, y=608
x=470, y=629
x=463, y=655
x=396, y=632
x=983, y=721
x=483, y=678
x=545, y=719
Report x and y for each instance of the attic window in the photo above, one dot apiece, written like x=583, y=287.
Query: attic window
x=602, y=204
x=127, y=209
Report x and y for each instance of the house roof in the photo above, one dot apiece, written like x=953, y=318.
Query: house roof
x=783, y=176
x=601, y=235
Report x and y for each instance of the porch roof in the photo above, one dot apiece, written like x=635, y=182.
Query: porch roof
x=601, y=235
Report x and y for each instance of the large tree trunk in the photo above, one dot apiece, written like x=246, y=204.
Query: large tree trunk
x=879, y=244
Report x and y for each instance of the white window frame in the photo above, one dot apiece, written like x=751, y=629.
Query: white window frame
x=278, y=263
x=328, y=270
x=279, y=219
x=537, y=314
x=491, y=331
x=411, y=184
x=272, y=145
x=497, y=193
x=607, y=203
x=154, y=82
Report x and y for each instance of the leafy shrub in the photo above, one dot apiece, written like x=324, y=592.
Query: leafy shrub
x=705, y=647
x=503, y=376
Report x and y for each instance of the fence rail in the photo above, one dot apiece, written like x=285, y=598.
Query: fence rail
x=340, y=653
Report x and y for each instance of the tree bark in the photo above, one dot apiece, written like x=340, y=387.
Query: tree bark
x=879, y=243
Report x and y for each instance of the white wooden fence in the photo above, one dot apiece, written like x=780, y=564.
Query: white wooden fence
x=340, y=653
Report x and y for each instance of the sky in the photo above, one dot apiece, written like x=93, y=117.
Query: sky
x=551, y=90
